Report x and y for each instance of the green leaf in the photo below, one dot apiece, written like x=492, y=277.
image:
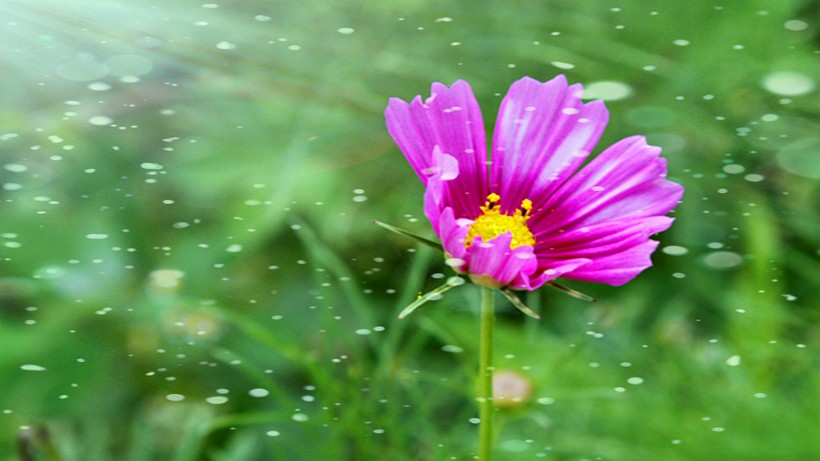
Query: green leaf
x=432, y=295
x=406, y=233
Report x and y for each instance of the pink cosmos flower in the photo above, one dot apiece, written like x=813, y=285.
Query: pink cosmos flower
x=536, y=214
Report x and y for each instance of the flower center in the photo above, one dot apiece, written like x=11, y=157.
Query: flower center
x=492, y=223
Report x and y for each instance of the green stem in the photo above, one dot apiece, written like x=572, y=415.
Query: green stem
x=485, y=376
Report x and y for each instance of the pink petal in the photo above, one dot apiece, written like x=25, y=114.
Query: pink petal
x=618, y=268
x=443, y=168
x=494, y=264
x=433, y=198
x=451, y=234
x=543, y=134
x=616, y=251
x=602, y=239
x=451, y=120
x=442, y=165
x=625, y=182
x=547, y=270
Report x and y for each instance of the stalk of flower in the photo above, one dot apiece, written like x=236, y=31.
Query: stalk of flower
x=535, y=214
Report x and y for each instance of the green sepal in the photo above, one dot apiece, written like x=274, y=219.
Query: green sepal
x=571, y=292
x=424, y=240
x=516, y=301
x=434, y=295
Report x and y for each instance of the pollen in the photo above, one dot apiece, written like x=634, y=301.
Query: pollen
x=492, y=222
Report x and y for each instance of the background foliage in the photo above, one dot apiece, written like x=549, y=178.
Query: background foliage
x=189, y=271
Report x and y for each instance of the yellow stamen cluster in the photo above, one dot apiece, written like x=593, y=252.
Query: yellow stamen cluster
x=492, y=223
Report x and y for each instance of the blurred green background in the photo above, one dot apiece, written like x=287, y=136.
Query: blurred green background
x=189, y=269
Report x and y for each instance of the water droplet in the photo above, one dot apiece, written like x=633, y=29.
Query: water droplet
x=15, y=168
x=150, y=166
x=217, y=400
x=454, y=262
x=733, y=361
x=562, y=65
x=226, y=45
x=32, y=367
x=788, y=83
x=723, y=260
x=455, y=281
x=734, y=168
x=96, y=236
x=452, y=349
x=635, y=380
x=796, y=24
x=300, y=417
x=100, y=120
x=175, y=397
x=675, y=250
x=99, y=86
x=345, y=30
x=363, y=331
x=607, y=90
x=166, y=278
x=259, y=392
x=272, y=433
